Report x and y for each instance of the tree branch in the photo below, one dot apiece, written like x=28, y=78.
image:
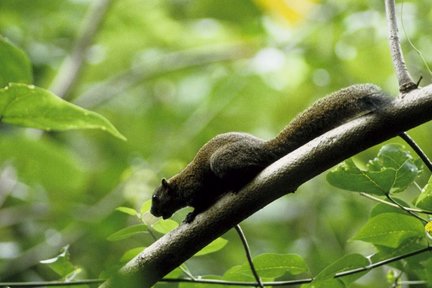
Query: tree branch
x=406, y=83
x=280, y=178
x=151, y=68
x=69, y=71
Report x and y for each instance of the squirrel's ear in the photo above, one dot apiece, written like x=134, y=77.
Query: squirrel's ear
x=165, y=183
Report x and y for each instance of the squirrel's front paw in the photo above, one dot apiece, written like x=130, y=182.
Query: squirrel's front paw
x=189, y=217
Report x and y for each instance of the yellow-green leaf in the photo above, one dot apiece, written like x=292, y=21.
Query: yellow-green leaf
x=14, y=63
x=35, y=107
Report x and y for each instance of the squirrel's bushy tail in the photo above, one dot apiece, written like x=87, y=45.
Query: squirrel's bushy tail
x=326, y=114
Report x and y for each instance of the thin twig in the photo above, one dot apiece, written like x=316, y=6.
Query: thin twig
x=306, y=280
x=233, y=283
x=394, y=205
x=383, y=262
x=414, y=47
x=417, y=149
x=68, y=73
x=248, y=255
x=406, y=83
x=411, y=283
x=50, y=283
x=237, y=283
x=390, y=198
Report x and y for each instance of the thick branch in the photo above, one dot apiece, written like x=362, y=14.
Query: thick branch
x=283, y=176
x=406, y=83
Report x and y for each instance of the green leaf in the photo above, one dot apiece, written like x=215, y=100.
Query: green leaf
x=214, y=246
x=131, y=253
x=47, y=163
x=391, y=171
x=424, y=201
x=146, y=206
x=127, y=210
x=346, y=263
x=35, y=107
x=204, y=285
x=270, y=265
x=60, y=264
x=390, y=229
x=384, y=208
x=14, y=63
x=128, y=232
x=165, y=226
x=326, y=283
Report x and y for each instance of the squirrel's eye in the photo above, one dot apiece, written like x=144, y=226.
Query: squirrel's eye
x=155, y=198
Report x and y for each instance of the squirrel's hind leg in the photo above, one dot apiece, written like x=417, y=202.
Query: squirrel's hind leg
x=238, y=163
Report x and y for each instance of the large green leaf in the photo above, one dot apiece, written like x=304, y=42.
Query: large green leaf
x=46, y=163
x=391, y=171
x=271, y=265
x=424, y=200
x=346, y=263
x=14, y=64
x=165, y=226
x=128, y=232
x=61, y=264
x=214, y=246
x=390, y=229
x=35, y=107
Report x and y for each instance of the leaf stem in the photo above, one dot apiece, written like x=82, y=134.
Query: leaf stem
x=395, y=205
x=390, y=198
x=383, y=262
x=248, y=255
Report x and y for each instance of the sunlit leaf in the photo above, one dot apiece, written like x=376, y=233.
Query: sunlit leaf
x=14, y=63
x=270, y=265
x=391, y=171
x=35, y=107
x=390, y=229
x=145, y=207
x=346, y=263
x=214, y=246
x=165, y=226
x=424, y=201
x=428, y=228
x=127, y=210
x=292, y=11
x=60, y=264
x=128, y=232
x=131, y=253
x=326, y=283
x=45, y=162
x=384, y=208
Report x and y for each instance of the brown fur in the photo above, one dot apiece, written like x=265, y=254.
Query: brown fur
x=230, y=160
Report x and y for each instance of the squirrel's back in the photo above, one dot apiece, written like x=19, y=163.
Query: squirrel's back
x=326, y=114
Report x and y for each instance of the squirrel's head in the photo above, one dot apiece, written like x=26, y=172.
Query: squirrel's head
x=165, y=200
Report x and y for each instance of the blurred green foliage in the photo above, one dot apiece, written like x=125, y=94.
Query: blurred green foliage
x=170, y=74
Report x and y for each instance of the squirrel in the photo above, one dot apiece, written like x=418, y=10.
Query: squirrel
x=230, y=160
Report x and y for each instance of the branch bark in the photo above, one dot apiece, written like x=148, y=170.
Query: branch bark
x=406, y=83
x=280, y=178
